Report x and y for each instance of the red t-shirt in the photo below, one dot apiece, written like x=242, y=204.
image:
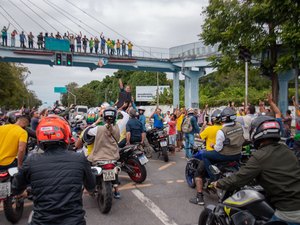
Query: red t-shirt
x=172, y=127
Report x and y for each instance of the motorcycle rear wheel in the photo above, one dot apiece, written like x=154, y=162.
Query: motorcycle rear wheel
x=104, y=196
x=138, y=173
x=13, y=209
x=189, y=176
x=164, y=152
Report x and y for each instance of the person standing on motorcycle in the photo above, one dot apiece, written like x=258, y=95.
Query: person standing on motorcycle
x=106, y=139
x=13, y=143
x=56, y=177
x=275, y=168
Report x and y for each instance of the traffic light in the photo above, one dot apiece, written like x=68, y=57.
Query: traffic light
x=58, y=57
x=244, y=53
x=69, y=60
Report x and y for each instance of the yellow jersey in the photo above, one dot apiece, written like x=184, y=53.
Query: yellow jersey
x=10, y=136
x=209, y=135
x=179, y=122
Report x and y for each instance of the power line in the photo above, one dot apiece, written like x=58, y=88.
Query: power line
x=26, y=14
x=56, y=7
x=39, y=16
x=12, y=18
x=9, y=21
x=94, y=18
x=51, y=16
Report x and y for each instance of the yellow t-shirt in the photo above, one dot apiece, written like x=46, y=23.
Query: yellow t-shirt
x=209, y=135
x=179, y=122
x=10, y=136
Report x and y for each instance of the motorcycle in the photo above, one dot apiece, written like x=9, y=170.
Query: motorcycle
x=132, y=161
x=247, y=206
x=13, y=207
x=226, y=168
x=106, y=176
x=158, y=139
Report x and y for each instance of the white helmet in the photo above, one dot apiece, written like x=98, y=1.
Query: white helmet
x=79, y=118
x=141, y=108
x=105, y=105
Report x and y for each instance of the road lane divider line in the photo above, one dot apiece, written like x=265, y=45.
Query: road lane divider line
x=166, y=166
x=161, y=215
x=180, y=181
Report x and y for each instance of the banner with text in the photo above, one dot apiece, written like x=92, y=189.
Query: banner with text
x=148, y=93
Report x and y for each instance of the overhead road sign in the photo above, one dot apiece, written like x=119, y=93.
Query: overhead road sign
x=61, y=90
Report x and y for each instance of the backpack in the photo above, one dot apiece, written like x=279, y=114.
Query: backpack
x=187, y=126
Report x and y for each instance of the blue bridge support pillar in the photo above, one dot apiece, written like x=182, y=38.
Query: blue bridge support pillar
x=176, y=90
x=192, y=87
x=284, y=78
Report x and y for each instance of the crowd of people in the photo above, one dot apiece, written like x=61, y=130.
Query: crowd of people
x=224, y=131
x=97, y=45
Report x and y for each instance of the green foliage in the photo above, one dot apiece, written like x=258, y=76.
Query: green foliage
x=263, y=26
x=14, y=90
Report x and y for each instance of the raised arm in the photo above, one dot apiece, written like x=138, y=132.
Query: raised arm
x=273, y=106
x=121, y=84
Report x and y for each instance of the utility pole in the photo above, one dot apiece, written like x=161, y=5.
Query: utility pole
x=73, y=96
x=246, y=83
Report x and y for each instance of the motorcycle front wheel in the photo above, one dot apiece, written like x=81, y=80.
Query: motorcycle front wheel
x=13, y=208
x=189, y=176
x=104, y=196
x=137, y=172
x=205, y=218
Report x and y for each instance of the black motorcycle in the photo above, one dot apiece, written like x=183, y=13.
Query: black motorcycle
x=132, y=161
x=158, y=139
x=247, y=206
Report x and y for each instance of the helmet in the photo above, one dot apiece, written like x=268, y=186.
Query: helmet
x=228, y=115
x=13, y=116
x=105, y=105
x=216, y=116
x=264, y=127
x=86, y=138
x=92, y=115
x=79, y=118
x=53, y=130
x=141, y=108
x=110, y=115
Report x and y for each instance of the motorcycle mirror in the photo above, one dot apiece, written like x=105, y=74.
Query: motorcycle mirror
x=12, y=171
x=215, y=170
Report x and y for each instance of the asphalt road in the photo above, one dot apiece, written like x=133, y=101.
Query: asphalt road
x=163, y=199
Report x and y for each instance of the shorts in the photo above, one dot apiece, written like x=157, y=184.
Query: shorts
x=200, y=171
x=179, y=136
x=172, y=139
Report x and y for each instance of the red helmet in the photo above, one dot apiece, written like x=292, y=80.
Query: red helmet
x=53, y=130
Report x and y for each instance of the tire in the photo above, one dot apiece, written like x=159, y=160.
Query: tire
x=204, y=218
x=164, y=152
x=189, y=176
x=13, y=209
x=104, y=196
x=138, y=173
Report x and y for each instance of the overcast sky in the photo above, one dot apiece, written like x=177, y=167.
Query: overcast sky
x=155, y=23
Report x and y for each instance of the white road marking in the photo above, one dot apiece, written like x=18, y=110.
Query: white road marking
x=166, y=166
x=164, y=218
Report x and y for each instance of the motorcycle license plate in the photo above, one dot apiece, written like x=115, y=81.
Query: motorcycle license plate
x=143, y=159
x=163, y=143
x=4, y=189
x=109, y=175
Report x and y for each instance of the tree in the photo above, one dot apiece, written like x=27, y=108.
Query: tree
x=258, y=25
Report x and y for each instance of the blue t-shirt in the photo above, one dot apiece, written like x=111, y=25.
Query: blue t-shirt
x=158, y=123
x=142, y=118
x=135, y=127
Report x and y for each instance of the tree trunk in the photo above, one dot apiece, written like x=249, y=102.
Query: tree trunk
x=273, y=58
x=275, y=87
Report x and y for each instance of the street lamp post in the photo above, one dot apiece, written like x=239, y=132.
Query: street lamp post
x=157, y=89
x=73, y=96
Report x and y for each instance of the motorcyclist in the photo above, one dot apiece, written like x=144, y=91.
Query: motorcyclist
x=56, y=177
x=275, y=168
x=106, y=139
x=13, y=142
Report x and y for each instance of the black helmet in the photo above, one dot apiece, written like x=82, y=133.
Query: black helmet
x=264, y=127
x=216, y=116
x=86, y=138
x=13, y=116
x=110, y=115
x=228, y=115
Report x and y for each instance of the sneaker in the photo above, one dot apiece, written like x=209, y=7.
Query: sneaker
x=117, y=195
x=198, y=200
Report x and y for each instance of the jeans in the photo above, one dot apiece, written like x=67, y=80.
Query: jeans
x=123, y=51
x=275, y=218
x=118, y=51
x=189, y=143
x=129, y=52
x=211, y=157
x=4, y=40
